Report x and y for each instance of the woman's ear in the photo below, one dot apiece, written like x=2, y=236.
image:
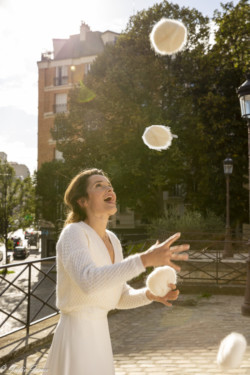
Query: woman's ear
x=81, y=202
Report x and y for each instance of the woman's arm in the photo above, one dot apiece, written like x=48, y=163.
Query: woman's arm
x=132, y=298
x=73, y=250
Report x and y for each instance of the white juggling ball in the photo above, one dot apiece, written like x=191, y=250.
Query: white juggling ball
x=158, y=280
x=168, y=36
x=158, y=137
x=231, y=351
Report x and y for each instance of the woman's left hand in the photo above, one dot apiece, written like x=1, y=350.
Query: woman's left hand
x=170, y=296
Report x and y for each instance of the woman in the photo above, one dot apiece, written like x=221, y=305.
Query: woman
x=92, y=276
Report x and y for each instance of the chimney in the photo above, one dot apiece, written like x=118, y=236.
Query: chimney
x=83, y=31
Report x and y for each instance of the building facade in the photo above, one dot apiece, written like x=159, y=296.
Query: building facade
x=58, y=72
x=21, y=170
x=3, y=156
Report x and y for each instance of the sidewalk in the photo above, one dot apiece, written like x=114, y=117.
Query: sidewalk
x=159, y=340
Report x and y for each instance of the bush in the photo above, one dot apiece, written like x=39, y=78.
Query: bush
x=202, y=229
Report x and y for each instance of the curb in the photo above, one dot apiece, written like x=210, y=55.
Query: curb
x=18, y=343
x=27, y=348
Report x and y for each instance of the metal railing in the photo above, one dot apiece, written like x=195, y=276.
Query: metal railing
x=206, y=263
x=61, y=80
x=37, y=284
x=33, y=287
x=60, y=108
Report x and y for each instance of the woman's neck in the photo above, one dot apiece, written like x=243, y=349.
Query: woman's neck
x=99, y=224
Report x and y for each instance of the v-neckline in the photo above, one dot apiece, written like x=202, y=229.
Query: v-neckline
x=99, y=237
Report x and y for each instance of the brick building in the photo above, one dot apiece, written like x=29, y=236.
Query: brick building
x=58, y=72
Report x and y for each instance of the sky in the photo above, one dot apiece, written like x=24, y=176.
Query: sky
x=27, y=28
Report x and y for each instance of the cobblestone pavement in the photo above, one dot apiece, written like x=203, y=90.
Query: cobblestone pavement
x=158, y=340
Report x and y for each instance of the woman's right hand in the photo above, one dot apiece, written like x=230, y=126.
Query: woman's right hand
x=162, y=254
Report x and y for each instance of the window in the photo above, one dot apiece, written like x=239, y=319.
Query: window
x=59, y=155
x=87, y=68
x=61, y=77
x=60, y=103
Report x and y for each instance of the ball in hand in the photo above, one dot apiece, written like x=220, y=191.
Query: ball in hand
x=158, y=280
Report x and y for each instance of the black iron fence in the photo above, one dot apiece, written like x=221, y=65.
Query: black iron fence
x=207, y=263
x=27, y=294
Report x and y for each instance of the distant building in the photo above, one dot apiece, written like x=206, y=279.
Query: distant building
x=3, y=156
x=58, y=72
x=21, y=170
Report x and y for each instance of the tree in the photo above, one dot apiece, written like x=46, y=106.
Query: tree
x=17, y=209
x=51, y=182
x=134, y=89
x=222, y=129
x=193, y=92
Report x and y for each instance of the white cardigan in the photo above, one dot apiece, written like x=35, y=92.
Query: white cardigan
x=86, y=276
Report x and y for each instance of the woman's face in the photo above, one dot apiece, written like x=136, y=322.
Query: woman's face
x=101, y=197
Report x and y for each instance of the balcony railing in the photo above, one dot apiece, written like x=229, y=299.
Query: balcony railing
x=60, y=108
x=59, y=81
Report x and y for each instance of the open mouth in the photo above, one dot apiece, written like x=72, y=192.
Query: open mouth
x=108, y=199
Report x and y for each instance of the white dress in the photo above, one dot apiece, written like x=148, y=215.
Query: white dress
x=88, y=286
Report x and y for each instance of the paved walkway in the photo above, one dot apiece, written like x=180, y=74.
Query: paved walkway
x=159, y=340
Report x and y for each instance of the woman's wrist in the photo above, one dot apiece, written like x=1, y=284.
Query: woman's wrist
x=149, y=295
x=144, y=259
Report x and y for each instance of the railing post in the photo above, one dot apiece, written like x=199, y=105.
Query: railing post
x=28, y=305
x=217, y=265
x=245, y=308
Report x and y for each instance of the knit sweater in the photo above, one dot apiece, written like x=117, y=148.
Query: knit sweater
x=86, y=277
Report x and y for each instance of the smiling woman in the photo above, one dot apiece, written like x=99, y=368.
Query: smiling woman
x=92, y=278
x=100, y=200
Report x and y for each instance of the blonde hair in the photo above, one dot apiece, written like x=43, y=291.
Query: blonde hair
x=78, y=189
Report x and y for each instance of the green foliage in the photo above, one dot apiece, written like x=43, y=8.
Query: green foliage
x=51, y=182
x=26, y=209
x=4, y=272
x=222, y=129
x=134, y=89
x=193, y=92
x=205, y=295
x=17, y=202
x=85, y=94
x=10, y=244
x=192, y=222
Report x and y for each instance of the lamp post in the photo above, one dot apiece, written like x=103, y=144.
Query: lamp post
x=244, y=96
x=5, y=219
x=228, y=170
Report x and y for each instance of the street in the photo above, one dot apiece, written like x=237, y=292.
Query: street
x=34, y=251
x=15, y=294
x=158, y=340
